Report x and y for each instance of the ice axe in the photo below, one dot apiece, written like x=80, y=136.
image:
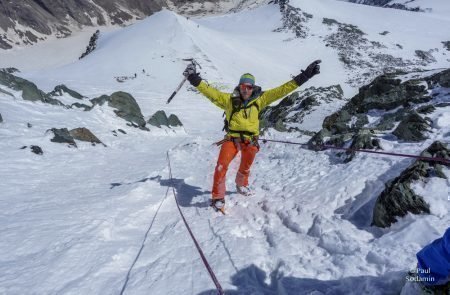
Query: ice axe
x=194, y=63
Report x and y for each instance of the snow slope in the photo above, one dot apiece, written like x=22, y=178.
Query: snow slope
x=73, y=220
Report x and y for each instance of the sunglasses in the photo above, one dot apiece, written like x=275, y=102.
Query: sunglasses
x=246, y=87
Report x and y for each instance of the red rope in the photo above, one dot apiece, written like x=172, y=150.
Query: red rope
x=205, y=261
x=324, y=147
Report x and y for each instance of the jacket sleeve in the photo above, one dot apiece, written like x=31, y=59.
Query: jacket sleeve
x=217, y=97
x=274, y=94
x=435, y=257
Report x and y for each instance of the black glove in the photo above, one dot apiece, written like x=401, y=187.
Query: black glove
x=312, y=70
x=190, y=69
x=191, y=74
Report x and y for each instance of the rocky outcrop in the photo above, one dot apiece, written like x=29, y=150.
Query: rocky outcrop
x=125, y=107
x=60, y=90
x=395, y=107
x=32, y=20
x=174, y=121
x=412, y=128
x=294, y=20
x=34, y=149
x=92, y=44
x=387, y=4
x=160, y=119
x=425, y=57
x=398, y=198
x=296, y=111
x=29, y=90
x=10, y=70
x=62, y=136
x=84, y=134
x=357, y=53
x=446, y=45
x=124, y=103
x=1, y=119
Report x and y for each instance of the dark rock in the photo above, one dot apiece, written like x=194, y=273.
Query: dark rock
x=127, y=108
x=84, y=134
x=396, y=201
x=174, y=121
x=61, y=89
x=24, y=147
x=122, y=131
x=387, y=93
x=29, y=89
x=386, y=4
x=10, y=70
x=398, y=198
x=62, y=136
x=1, y=119
x=29, y=125
x=294, y=109
x=92, y=44
x=294, y=20
x=36, y=149
x=412, y=128
x=60, y=17
x=427, y=109
x=7, y=93
x=101, y=100
x=446, y=45
x=403, y=7
x=5, y=43
x=392, y=101
x=358, y=53
x=81, y=106
x=388, y=121
x=442, y=79
x=125, y=105
x=362, y=140
x=425, y=56
x=159, y=119
x=443, y=105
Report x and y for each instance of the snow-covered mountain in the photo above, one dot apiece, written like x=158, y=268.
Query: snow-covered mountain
x=31, y=21
x=78, y=206
x=27, y=22
x=436, y=6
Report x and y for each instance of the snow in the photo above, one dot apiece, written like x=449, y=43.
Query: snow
x=74, y=219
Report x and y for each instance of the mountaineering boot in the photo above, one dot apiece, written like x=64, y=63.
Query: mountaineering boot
x=218, y=205
x=244, y=190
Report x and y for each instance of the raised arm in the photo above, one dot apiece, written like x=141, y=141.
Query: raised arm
x=274, y=94
x=217, y=97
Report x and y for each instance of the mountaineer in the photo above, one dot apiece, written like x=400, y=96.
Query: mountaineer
x=242, y=108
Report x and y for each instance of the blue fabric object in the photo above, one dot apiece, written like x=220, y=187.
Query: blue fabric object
x=434, y=261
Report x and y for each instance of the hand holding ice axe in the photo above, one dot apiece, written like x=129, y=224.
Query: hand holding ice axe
x=190, y=70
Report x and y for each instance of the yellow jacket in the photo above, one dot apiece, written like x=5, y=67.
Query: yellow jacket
x=246, y=119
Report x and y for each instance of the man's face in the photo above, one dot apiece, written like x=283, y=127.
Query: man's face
x=246, y=90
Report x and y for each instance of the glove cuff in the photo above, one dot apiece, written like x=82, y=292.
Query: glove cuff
x=194, y=79
x=301, y=79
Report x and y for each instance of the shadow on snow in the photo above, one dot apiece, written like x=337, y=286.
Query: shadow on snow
x=252, y=280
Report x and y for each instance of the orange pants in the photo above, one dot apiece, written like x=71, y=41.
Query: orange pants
x=228, y=151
